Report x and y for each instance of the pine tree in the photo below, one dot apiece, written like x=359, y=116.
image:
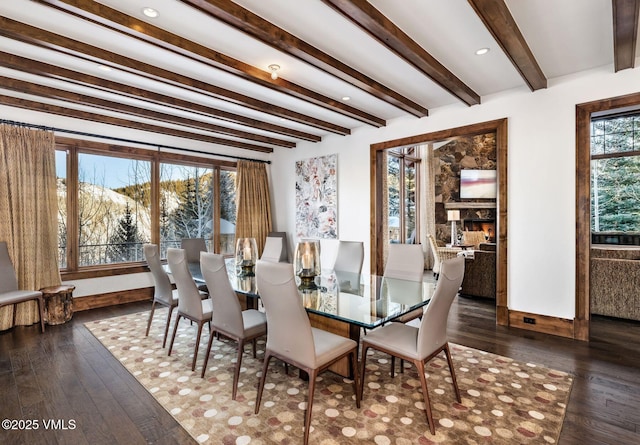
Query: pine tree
x=125, y=243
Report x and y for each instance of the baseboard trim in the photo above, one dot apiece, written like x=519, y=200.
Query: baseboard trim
x=542, y=323
x=112, y=299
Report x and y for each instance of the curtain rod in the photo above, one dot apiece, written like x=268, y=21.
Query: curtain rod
x=130, y=141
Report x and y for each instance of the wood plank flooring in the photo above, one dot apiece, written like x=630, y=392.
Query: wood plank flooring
x=67, y=374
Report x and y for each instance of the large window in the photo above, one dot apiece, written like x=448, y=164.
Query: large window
x=615, y=174
x=116, y=199
x=402, y=179
x=114, y=209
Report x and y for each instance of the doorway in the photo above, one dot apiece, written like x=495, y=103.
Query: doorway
x=377, y=196
x=584, y=113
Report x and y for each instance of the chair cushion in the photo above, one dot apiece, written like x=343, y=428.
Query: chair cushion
x=329, y=346
x=397, y=337
x=255, y=323
x=18, y=296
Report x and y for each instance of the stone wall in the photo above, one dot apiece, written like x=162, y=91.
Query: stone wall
x=468, y=152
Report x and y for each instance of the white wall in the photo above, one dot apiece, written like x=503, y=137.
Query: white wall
x=541, y=179
x=541, y=164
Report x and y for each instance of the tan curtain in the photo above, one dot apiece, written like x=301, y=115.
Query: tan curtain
x=428, y=204
x=384, y=169
x=28, y=214
x=253, y=219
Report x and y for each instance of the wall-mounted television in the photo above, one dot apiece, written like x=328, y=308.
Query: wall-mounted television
x=478, y=184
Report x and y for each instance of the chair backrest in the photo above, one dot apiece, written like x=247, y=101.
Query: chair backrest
x=434, y=247
x=350, y=256
x=192, y=248
x=289, y=331
x=8, y=277
x=162, y=284
x=432, y=333
x=405, y=261
x=272, y=249
x=284, y=253
x=227, y=313
x=189, y=299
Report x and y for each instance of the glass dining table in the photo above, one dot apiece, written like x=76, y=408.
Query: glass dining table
x=342, y=302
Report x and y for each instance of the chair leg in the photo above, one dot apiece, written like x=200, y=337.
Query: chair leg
x=197, y=346
x=153, y=309
x=425, y=393
x=40, y=302
x=175, y=329
x=206, y=355
x=313, y=373
x=265, y=367
x=166, y=328
x=354, y=366
x=236, y=372
x=254, y=344
x=453, y=372
x=363, y=366
x=393, y=366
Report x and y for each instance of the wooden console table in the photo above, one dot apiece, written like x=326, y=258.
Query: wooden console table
x=58, y=303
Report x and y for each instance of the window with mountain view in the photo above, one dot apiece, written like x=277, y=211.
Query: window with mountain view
x=615, y=174
x=112, y=210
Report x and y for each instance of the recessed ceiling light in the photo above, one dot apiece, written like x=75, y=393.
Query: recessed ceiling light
x=105, y=68
x=150, y=12
x=482, y=51
x=345, y=98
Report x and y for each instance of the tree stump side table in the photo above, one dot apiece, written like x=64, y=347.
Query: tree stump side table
x=58, y=303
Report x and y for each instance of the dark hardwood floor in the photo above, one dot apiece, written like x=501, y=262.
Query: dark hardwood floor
x=66, y=375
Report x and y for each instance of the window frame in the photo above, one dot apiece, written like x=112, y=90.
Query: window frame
x=74, y=147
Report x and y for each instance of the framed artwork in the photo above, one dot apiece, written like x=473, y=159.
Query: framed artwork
x=317, y=198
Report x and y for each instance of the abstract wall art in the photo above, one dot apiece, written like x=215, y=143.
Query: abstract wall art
x=317, y=197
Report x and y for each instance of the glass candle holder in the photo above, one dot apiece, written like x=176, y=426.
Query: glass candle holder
x=246, y=256
x=307, y=263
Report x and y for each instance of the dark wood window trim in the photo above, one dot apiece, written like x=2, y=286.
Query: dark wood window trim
x=76, y=146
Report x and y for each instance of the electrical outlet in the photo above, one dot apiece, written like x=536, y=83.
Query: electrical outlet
x=529, y=320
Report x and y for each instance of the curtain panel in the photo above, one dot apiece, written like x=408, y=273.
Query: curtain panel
x=253, y=207
x=28, y=214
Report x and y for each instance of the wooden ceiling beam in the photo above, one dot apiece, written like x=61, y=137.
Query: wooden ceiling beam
x=54, y=72
x=83, y=99
x=498, y=20
x=127, y=123
x=29, y=34
x=115, y=20
x=363, y=14
x=268, y=33
x=625, y=33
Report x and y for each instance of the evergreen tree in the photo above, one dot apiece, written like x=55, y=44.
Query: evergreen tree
x=125, y=243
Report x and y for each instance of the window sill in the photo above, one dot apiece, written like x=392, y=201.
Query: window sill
x=104, y=270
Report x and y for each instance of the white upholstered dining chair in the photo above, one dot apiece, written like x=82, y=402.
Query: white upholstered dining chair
x=350, y=257
x=405, y=262
x=163, y=292
x=228, y=317
x=291, y=338
x=190, y=302
x=9, y=292
x=419, y=345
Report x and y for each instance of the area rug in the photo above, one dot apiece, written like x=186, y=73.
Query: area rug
x=503, y=401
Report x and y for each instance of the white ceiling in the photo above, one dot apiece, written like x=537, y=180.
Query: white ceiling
x=565, y=37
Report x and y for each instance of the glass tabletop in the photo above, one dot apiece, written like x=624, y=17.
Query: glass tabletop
x=363, y=300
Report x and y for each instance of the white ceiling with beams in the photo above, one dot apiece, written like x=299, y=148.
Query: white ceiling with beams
x=199, y=69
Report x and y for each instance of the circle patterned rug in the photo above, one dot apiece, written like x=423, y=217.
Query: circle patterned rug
x=503, y=401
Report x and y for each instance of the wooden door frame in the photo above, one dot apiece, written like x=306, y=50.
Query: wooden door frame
x=498, y=126
x=584, y=113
